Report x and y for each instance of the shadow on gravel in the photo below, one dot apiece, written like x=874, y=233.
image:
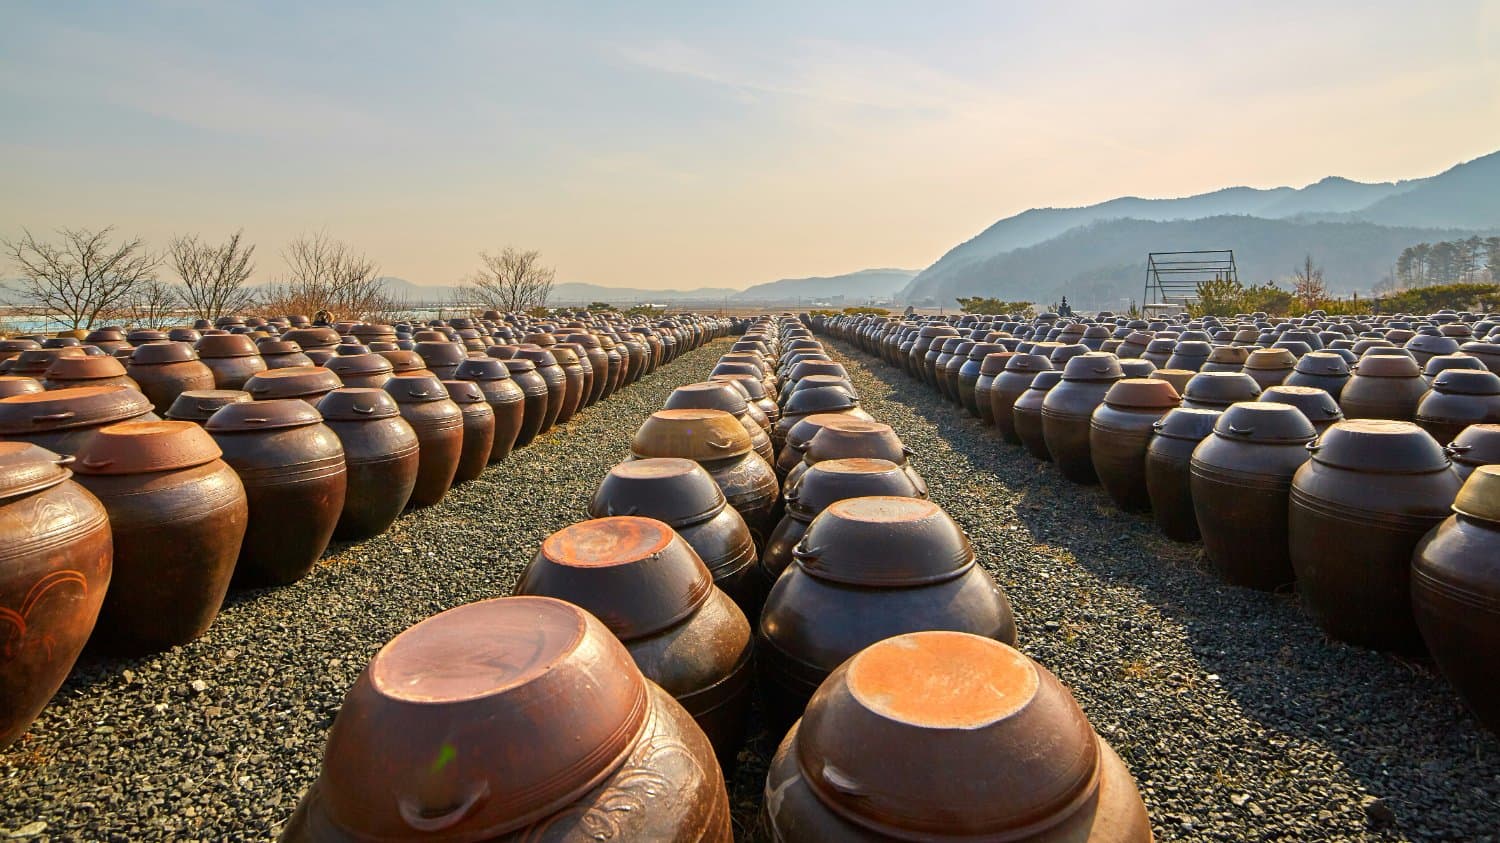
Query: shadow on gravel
x=1394, y=725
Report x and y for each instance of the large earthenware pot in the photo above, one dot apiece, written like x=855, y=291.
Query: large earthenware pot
x=98, y=370
x=34, y=363
x=485, y=680
x=823, y=484
x=991, y=747
x=650, y=588
x=1120, y=431
x=1459, y=398
x=1371, y=491
x=292, y=466
x=579, y=369
x=717, y=395
x=717, y=441
x=1009, y=386
x=164, y=370
x=1269, y=366
x=479, y=429
x=506, y=398
x=1068, y=408
x=868, y=569
x=1383, y=387
x=178, y=514
x=55, y=559
x=1455, y=590
x=1318, y=406
x=1218, y=390
x=199, y=405
x=1026, y=413
x=309, y=383
x=442, y=358
x=1321, y=369
x=1168, y=470
x=439, y=425
x=362, y=370
x=381, y=459
x=1240, y=479
x=1478, y=444
x=845, y=437
x=972, y=371
x=589, y=348
x=233, y=358
x=62, y=420
x=798, y=437
x=537, y=400
x=564, y=385
x=280, y=354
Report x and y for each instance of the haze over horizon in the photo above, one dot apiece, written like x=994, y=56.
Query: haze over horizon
x=677, y=146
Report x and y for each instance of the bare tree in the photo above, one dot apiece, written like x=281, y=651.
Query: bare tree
x=155, y=305
x=213, y=275
x=1307, y=284
x=327, y=274
x=80, y=280
x=510, y=281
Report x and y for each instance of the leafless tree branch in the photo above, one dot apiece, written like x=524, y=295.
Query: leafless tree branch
x=83, y=278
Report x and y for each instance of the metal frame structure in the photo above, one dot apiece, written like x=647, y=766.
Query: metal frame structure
x=1172, y=277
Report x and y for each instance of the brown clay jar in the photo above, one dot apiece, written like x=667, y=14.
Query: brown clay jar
x=1168, y=470
x=845, y=437
x=164, y=370
x=579, y=371
x=309, y=383
x=717, y=441
x=68, y=372
x=1218, y=390
x=55, y=561
x=1026, y=414
x=294, y=474
x=486, y=679
x=534, y=388
x=479, y=429
x=281, y=354
x=564, y=388
x=1120, y=431
x=1318, y=406
x=1068, y=408
x=717, y=395
x=62, y=420
x=972, y=372
x=650, y=588
x=823, y=484
x=233, y=358
x=1459, y=398
x=1010, y=385
x=380, y=459
x=1383, y=387
x=362, y=370
x=439, y=425
x=505, y=397
x=178, y=515
x=1478, y=444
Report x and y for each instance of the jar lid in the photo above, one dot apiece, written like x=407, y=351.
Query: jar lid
x=465, y=392
x=199, y=405
x=226, y=345
x=482, y=369
x=839, y=479
x=142, y=447
x=698, y=435
x=1465, y=382
x=708, y=395
x=1189, y=423
x=1266, y=422
x=1480, y=495
x=416, y=387
x=1379, y=446
x=19, y=385
x=357, y=404
x=1477, y=444
x=84, y=368
x=162, y=352
x=274, y=414
x=1271, y=359
x=883, y=541
x=1143, y=393
x=292, y=382
x=519, y=365
x=1046, y=379
x=63, y=409
x=845, y=436
x=362, y=364
x=441, y=353
x=670, y=489
x=1387, y=366
x=269, y=348
x=1093, y=366
x=996, y=362
x=26, y=468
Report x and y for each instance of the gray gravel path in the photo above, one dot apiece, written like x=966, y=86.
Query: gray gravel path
x=1239, y=719
x=218, y=739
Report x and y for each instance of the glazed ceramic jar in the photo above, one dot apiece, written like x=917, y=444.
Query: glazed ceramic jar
x=1026, y=414
x=799, y=437
x=439, y=425
x=1455, y=590
x=442, y=357
x=506, y=398
x=1269, y=366
x=1168, y=470
x=97, y=370
x=163, y=370
x=309, y=383
x=1478, y=444
x=537, y=400
x=1218, y=390
x=55, y=561
x=647, y=585
x=564, y=387
x=178, y=515
x=1009, y=385
x=823, y=484
x=1068, y=408
x=1120, y=431
x=233, y=359
x=717, y=441
x=380, y=459
x=1371, y=491
x=478, y=426
x=487, y=677
x=868, y=569
x=62, y=420
x=717, y=395
x=991, y=747
x=844, y=437
x=976, y=402
x=1318, y=406
x=292, y=467
x=1459, y=398
x=679, y=493
x=281, y=354
x=362, y=370
x=1240, y=478
x=1321, y=369
x=808, y=402
x=1383, y=387
x=1190, y=355
x=578, y=373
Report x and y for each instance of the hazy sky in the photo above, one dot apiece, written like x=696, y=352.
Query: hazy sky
x=703, y=144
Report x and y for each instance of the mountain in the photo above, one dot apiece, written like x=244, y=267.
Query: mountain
x=864, y=284
x=1460, y=201
x=574, y=292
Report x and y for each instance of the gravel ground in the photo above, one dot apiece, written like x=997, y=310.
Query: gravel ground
x=218, y=739
x=1239, y=719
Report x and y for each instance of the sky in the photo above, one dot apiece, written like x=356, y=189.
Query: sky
x=688, y=144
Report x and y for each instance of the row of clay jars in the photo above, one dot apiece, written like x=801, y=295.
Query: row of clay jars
x=620, y=759
x=649, y=587
x=55, y=562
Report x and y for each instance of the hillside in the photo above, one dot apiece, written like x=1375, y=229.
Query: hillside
x=864, y=284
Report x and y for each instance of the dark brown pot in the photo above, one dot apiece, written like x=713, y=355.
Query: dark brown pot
x=647, y=585
x=380, y=459
x=62, y=420
x=1026, y=414
x=366, y=370
x=1068, y=408
x=439, y=425
x=1455, y=591
x=55, y=560
x=845, y=437
x=823, y=484
x=1168, y=464
x=1120, y=431
x=69, y=372
x=34, y=363
x=178, y=515
x=992, y=747
x=1010, y=385
x=1478, y=444
x=1318, y=406
x=1383, y=387
x=534, y=388
x=798, y=437
x=199, y=405
x=1240, y=479
x=165, y=370
x=232, y=358
x=588, y=347
x=11, y=385
x=280, y=354
x=973, y=372
x=1371, y=491
x=530, y=769
x=564, y=389
x=504, y=396
x=717, y=441
x=295, y=478
x=309, y=383
x=868, y=569
x=479, y=429
x=1321, y=369
x=1459, y=398
x=442, y=357
x=580, y=379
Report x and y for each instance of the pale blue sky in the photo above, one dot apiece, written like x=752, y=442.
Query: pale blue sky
x=688, y=144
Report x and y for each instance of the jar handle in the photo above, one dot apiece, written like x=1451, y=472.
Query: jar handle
x=609, y=510
x=362, y=410
x=1241, y=431
x=1455, y=448
x=52, y=417
x=1314, y=446
x=64, y=460
x=417, y=817
x=721, y=446
x=92, y=463
x=1158, y=425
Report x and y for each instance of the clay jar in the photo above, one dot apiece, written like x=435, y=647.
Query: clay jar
x=62, y=420
x=1318, y=406
x=1168, y=465
x=992, y=747
x=165, y=369
x=178, y=516
x=1240, y=478
x=19, y=385
x=1120, y=431
x=380, y=459
x=309, y=383
x=98, y=370
x=717, y=395
x=647, y=585
x=717, y=441
x=534, y=388
x=579, y=371
x=1068, y=408
x=232, y=358
x=972, y=371
x=868, y=569
x=486, y=679
x=1269, y=366
x=281, y=354
x=564, y=387
x=1455, y=592
x=1383, y=387
x=1457, y=399
x=1026, y=414
x=679, y=493
x=808, y=402
x=439, y=425
x=821, y=485
x=506, y=399
x=293, y=470
x=1009, y=385
x=1478, y=444
x=798, y=437
x=479, y=429
x=846, y=438
x=1321, y=369
x=1225, y=358
x=362, y=370
x=199, y=405
x=55, y=559
x=441, y=357
x=1371, y=491
x=1218, y=390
